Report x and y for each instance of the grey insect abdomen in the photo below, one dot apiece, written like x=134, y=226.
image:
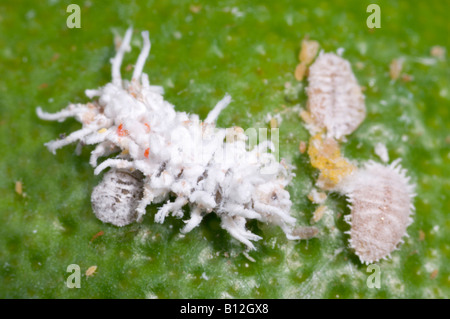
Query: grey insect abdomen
x=115, y=199
x=381, y=205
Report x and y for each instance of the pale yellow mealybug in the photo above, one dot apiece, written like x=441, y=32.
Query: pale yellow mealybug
x=91, y=271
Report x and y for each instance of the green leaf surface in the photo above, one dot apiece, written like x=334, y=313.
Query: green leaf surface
x=200, y=50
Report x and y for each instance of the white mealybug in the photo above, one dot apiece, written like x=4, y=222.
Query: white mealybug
x=380, y=196
x=381, y=203
x=210, y=169
x=335, y=101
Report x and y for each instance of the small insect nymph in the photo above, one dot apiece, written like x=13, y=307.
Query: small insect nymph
x=91, y=271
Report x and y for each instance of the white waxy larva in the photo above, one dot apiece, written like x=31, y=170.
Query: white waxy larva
x=178, y=155
x=335, y=101
x=381, y=202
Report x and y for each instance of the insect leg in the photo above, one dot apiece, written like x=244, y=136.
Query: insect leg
x=272, y=211
x=236, y=227
x=102, y=149
x=70, y=111
x=235, y=209
x=75, y=136
x=194, y=221
x=117, y=163
x=170, y=207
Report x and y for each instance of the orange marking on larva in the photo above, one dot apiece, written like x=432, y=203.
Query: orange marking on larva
x=121, y=131
x=147, y=127
x=100, y=233
x=146, y=152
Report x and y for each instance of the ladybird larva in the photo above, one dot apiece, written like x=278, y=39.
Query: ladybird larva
x=381, y=203
x=335, y=100
x=183, y=160
x=115, y=199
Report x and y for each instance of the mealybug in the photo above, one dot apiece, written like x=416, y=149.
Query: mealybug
x=381, y=203
x=380, y=196
x=335, y=100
